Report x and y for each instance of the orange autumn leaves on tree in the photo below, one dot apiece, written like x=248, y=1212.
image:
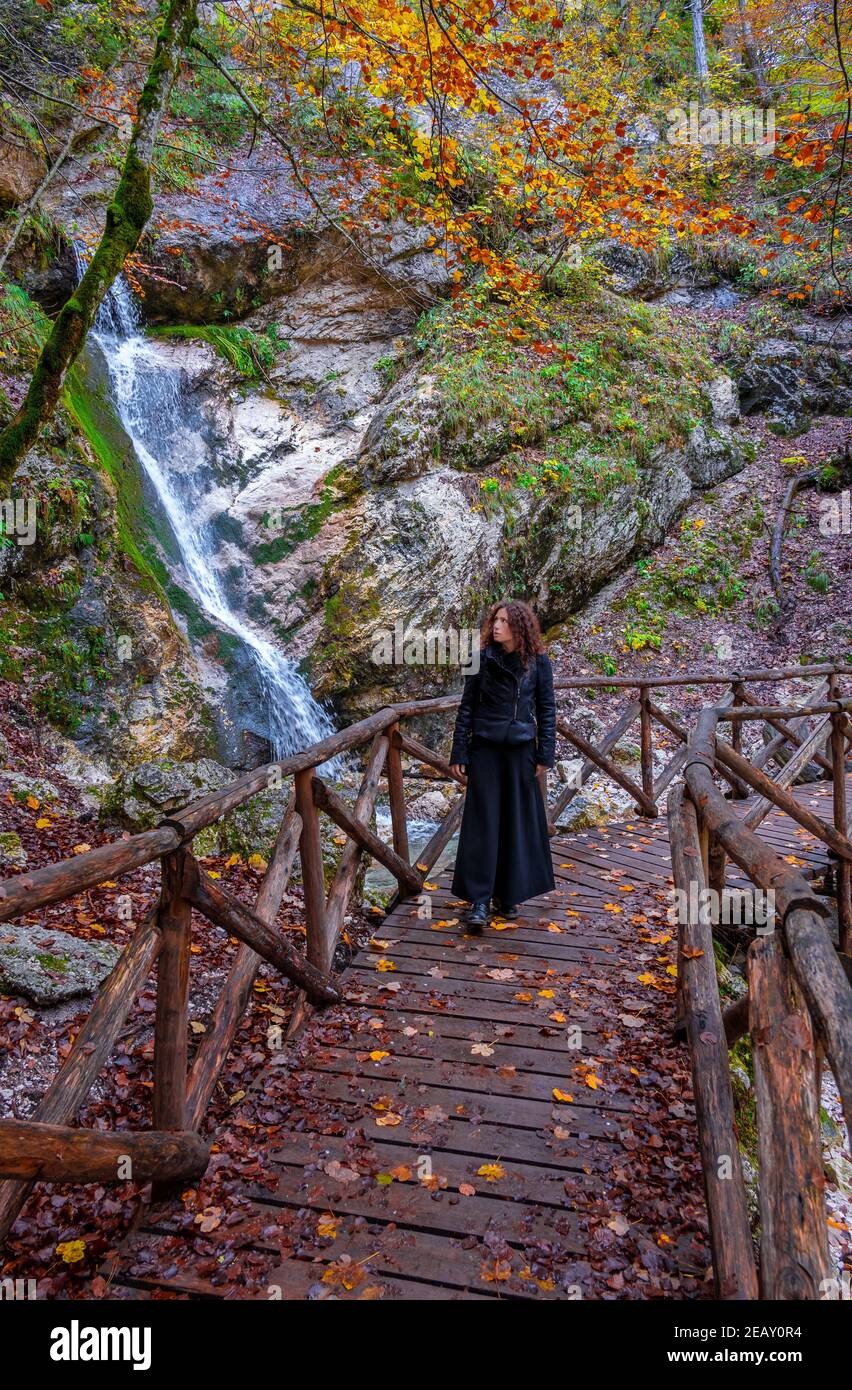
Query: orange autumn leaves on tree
x=504, y=128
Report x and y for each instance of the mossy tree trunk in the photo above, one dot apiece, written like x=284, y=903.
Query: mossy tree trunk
x=126, y=217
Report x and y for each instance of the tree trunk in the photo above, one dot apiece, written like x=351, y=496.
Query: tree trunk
x=699, y=44
x=754, y=57
x=126, y=217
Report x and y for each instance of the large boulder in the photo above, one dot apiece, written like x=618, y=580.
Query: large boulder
x=154, y=791
x=631, y=270
x=794, y=379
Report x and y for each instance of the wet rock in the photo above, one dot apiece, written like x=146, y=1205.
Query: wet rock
x=155, y=791
x=50, y=966
x=399, y=443
x=429, y=806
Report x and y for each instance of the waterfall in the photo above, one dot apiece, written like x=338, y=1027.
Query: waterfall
x=150, y=399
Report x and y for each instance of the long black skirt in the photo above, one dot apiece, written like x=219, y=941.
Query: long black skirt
x=504, y=848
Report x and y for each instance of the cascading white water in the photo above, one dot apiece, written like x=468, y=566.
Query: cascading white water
x=149, y=397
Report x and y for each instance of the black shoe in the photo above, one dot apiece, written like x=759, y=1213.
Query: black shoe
x=477, y=917
x=509, y=914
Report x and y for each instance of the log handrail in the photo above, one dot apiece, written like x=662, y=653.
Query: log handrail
x=799, y=999
x=182, y=1092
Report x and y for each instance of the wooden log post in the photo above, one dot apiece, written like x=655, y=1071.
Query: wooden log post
x=338, y=811
x=347, y=870
x=644, y=803
x=794, y=1256
x=733, y=1261
x=717, y=863
x=238, y=920
x=232, y=1002
x=842, y=867
x=738, y=696
x=646, y=747
x=92, y=1047
x=396, y=794
x=171, y=1023
x=318, y=946
x=38, y=1152
x=681, y=874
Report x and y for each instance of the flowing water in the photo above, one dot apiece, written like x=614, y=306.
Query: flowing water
x=150, y=398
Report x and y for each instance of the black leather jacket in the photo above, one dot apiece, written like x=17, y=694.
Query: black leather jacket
x=506, y=703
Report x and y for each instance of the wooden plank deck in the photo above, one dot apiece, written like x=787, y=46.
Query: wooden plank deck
x=503, y=1115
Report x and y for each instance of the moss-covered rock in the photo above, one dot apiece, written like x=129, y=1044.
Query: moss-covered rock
x=12, y=853
x=50, y=966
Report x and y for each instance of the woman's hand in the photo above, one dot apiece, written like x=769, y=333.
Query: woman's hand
x=459, y=770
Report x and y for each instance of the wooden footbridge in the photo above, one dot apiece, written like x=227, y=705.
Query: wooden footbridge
x=459, y=1116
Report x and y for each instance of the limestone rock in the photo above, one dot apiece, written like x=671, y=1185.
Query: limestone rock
x=49, y=966
x=23, y=785
x=794, y=380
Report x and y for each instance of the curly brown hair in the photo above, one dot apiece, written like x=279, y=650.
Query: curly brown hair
x=523, y=623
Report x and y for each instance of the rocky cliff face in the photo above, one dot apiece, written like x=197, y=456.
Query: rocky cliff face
x=367, y=466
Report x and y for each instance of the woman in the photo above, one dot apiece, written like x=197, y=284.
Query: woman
x=505, y=732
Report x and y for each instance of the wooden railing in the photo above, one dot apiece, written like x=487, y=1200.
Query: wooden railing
x=49, y=1147
x=798, y=1008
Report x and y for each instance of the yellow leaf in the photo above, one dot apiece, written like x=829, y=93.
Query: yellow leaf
x=72, y=1251
x=42, y=823
x=491, y=1172
x=378, y=1056
x=562, y=1096
x=33, y=803
x=81, y=849
x=389, y=1119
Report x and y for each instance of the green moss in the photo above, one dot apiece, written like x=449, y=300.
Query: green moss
x=50, y=962
x=340, y=486
x=580, y=385
x=136, y=527
x=252, y=354
x=699, y=576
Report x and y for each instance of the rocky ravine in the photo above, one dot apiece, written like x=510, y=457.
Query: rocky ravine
x=343, y=505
